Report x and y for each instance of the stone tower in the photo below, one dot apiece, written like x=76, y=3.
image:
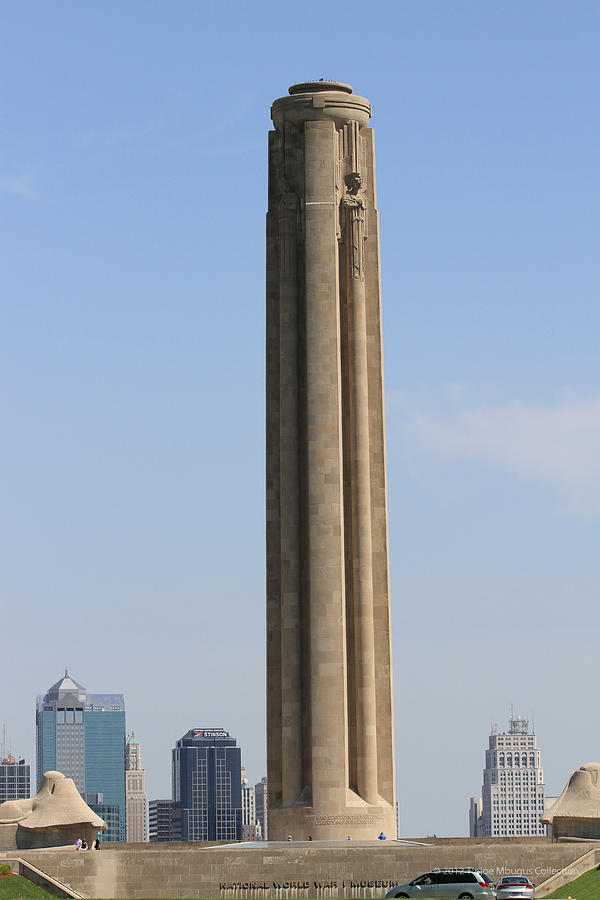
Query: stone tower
x=330, y=758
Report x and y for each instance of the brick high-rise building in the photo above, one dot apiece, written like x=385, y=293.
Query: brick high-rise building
x=164, y=821
x=251, y=830
x=136, y=799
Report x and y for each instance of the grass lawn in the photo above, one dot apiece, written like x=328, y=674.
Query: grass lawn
x=16, y=886
x=586, y=887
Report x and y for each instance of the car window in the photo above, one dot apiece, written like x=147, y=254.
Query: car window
x=514, y=880
x=423, y=879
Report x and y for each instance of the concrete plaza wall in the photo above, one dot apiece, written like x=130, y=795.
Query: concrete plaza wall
x=274, y=871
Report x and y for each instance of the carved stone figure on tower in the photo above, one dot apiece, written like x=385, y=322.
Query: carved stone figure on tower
x=355, y=205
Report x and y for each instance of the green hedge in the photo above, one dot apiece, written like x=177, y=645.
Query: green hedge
x=4, y=869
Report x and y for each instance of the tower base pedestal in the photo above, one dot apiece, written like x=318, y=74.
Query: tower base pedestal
x=361, y=824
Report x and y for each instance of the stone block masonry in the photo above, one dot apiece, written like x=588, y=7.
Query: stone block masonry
x=273, y=871
x=330, y=759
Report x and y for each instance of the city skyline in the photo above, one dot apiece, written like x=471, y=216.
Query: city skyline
x=132, y=761
x=133, y=184
x=71, y=739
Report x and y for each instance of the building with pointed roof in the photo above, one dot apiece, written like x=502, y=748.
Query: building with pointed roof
x=136, y=798
x=66, y=686
x=82, y=735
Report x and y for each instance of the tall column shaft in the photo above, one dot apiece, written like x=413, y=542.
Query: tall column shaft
x=329, y=698
x=275, y=762
x=325, y=562
x=291, y=613
x=366, y=762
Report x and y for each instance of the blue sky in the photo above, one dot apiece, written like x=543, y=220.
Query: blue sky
x=133, y=192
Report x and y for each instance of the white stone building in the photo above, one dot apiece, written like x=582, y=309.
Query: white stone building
x=136, y=799
x=261, y=794
x=475, y=816
x=251, y=830
x=513, y=791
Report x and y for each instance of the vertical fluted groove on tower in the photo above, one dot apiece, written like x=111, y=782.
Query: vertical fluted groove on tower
x=273, y=512
x=379, y=517
x=353, y=214
x=324, y=476
x=291, y=605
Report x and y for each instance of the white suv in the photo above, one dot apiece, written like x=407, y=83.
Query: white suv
x=470, y=884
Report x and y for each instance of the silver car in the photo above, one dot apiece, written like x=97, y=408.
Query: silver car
x=515, y=887
x=468, y=884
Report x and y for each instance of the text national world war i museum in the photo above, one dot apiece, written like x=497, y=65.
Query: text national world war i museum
x=330, y=758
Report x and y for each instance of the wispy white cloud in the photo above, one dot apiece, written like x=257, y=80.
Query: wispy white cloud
x=456, y=390
x=555, y=444
x=22, y=185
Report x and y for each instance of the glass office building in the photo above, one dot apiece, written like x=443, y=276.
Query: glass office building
x=82, y=735
x=207, y=784
x=15, y=783
x=164, y=820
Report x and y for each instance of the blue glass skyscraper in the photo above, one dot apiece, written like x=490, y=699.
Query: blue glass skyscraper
x=207, y=783
x=82, y=735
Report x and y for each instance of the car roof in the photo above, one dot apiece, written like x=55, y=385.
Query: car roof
x=458, y=869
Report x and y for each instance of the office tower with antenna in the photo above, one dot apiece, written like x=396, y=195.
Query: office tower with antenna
x=513, y=791
x=15, y=774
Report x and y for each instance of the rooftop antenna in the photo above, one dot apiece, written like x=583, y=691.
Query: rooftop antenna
x=4, y=741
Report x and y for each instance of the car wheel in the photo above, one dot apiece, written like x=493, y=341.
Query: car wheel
x=403, y=895
x=465, y=896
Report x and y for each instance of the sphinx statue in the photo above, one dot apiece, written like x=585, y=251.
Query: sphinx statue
x=56, y=816
x=576, y=813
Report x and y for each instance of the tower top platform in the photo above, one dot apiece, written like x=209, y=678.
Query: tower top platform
x=311, y=100
x=309, y=87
